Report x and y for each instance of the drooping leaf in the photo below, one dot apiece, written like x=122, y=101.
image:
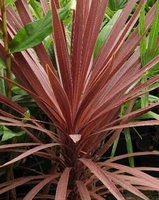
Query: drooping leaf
x=18, y=182
x=32, y=193
x=103, y=177
x=29, y=152
x=83, y=191
x=61, y=191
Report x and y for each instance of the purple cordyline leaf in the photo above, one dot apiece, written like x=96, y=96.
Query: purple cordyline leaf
x=83, y=191
x=60, y=45
x=126, y=185
x=126, y=31
x=6, y=186
x=103, y=177
x=89, y=98
x=48, y=156
x=33, y=192
x=116, y=158
x=6, y=146
x=16, y=123
x=115, y=51
x=133, y=115
x=39, y=83
x=99, y=115
x=44, y=6
x=86, y=9
x=77, y=47
x=13, y=20
x=134, y=124
x=92, y=28
x=24, y=12
x=44, y=57
x=136, y=182
x=147, y=179
x=60, y=96
x=29, y=152
x=41, y=102
x=61, y=191
x=148, y=168
x=45, y=196
x=113, y=36
x=96, y=196
x=132, y=42
x=11, y=104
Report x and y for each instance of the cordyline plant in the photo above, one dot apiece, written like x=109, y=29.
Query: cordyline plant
x=82, y=96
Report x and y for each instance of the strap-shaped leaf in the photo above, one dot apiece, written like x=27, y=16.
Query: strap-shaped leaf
x=103, y=177
x=60, y=46
x=29, y=152
x=83, y=191
x=6, y=186
x=60, y=96
x=32, y=193
x=61, y=191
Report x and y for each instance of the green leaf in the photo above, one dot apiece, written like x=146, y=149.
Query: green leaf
x=31, y=34
x=8, y=134
x=17, y=90
x=116, y=4
x=152, y=42
x=8, y=2
x=150, y=115
x=26, y=116
x=2, y=64
x=105, y=32
x=35, y=32
x=2, y=82
x=129, y=146
x=36, y=8
x=142, y=28
x=63, y=12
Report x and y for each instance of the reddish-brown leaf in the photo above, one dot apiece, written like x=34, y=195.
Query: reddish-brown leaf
x=32, y=193
x=29, y=152
x=103, y=177
x=61, y=191
x=83, y=191
x=60, y=45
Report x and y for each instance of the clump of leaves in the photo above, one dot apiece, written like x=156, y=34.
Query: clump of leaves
x=82, y=98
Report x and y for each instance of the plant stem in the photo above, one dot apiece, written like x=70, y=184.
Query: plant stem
x=6, y=48
x=10, y=174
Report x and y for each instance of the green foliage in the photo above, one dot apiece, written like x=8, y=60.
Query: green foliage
x=2, y=64
x=8, y=2
x=116, y=4
x=36, y=9
x=35, y=32
x=7, y=134
x=105, y=32
x=31, y=34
